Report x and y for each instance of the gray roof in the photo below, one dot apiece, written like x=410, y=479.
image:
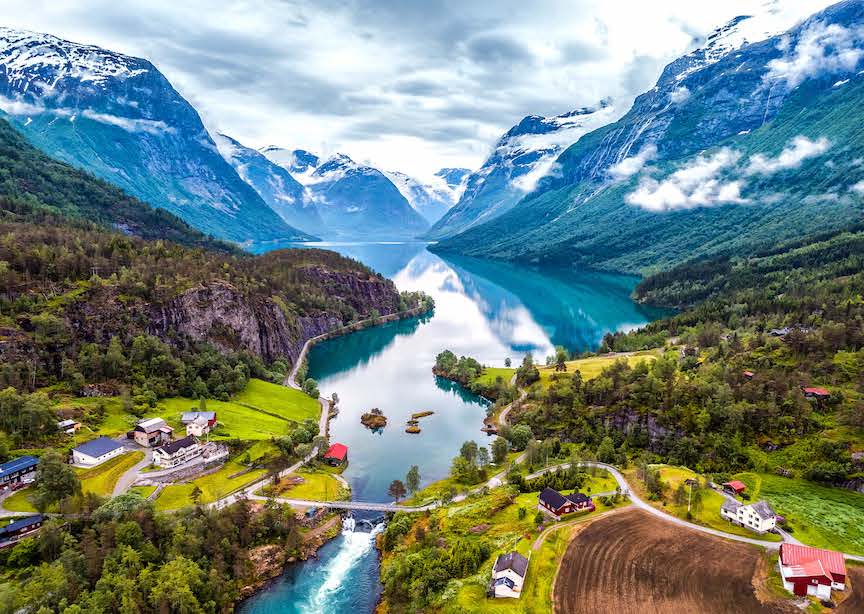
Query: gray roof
x=98, y=447
x=190, y=416
x=730, y=506
x=764, y=510
x=514, y=561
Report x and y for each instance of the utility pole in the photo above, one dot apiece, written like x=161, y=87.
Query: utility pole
x=689, y=496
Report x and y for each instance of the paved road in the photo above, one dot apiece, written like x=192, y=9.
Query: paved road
x=502, y=417
x=291, y=382
x=130, y=475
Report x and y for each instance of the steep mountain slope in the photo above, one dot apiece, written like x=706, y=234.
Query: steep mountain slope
x=284, y=194
x=431, y=200
x=119, y=118
x=524, y=155
x=35, y=187
x=359, y=201
x=737, y=143
x=299, y=162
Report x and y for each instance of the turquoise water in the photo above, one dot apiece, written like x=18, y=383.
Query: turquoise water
x=488, y=310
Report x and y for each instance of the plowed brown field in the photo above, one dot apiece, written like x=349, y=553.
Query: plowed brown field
x=632, y=562
x=854, y=603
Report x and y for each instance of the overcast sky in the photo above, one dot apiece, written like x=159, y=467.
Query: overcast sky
x=406, y=85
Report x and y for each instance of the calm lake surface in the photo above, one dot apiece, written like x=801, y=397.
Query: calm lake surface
x=487, y=310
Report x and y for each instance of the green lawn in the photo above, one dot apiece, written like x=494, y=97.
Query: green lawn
x=593, y=367
x=213, y=486
x=317, y=486
x=709, y=513
x=263, y=410
x=20, y=501
x=820, y=516
x=102, y=479
x=144, y=491
x=286, y=402
x=490, y=375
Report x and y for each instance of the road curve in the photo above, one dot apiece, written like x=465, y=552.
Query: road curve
x=643, y=505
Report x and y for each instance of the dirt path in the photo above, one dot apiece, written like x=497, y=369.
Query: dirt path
x=666, y=569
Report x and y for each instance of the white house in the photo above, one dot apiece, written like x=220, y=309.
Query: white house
x=198, y=427
x=758, y=517
x=508, y=575
x=177, y=452
x=96, y=451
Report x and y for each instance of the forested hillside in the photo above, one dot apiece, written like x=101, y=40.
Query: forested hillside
x=755, y=332
x=33, y=186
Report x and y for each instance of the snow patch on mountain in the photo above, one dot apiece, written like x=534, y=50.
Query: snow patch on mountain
x=27, y=55
x=772, y=18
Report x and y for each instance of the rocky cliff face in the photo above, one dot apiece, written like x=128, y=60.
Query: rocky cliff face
x=220, y=314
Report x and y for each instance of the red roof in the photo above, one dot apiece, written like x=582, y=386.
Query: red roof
x=822, y=392
x=805, y=561
x=338, y=451
x=748, y=374
x=736, y=485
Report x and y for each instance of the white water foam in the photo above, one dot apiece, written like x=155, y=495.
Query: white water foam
x=355, y=546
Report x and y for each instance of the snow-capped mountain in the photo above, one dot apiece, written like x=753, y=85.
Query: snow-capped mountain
x=431, y=200
x=284, y=194
x=743, y=142
x=299, y=162
x=354, y=200
x=523, y=156
x=454, y=178
x=118, y=117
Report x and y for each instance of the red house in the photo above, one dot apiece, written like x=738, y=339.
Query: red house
x=815, y=393
x=811, y=571
x=553, y=503
x=336, y=455
x=748, y=374
x=736, y=487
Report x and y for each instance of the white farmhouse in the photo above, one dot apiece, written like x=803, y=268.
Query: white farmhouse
x=758, y=517
x=508, y=575
x=177, y=452
x=96, y=452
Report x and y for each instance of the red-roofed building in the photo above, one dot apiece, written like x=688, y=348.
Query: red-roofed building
x=735, y=486
x=748, y=374
x=815, y=393
x=811, y=571
x=337, y=454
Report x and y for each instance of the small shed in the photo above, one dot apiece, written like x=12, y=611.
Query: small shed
x=736, y=487
x=336, y=455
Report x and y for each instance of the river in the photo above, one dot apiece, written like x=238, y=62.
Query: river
x=488, y=310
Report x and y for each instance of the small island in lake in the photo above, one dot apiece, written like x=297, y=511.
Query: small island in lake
x=412, y=428
x=421, y=414
x=374, y=419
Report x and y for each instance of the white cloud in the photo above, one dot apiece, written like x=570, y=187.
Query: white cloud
x=858, y=187
x=412, y=86
x=20, y=108
x=697, y=184
x=679, y=95
x=821, y=48
x=799, y=149
x=632, y=165
x=528, y=182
